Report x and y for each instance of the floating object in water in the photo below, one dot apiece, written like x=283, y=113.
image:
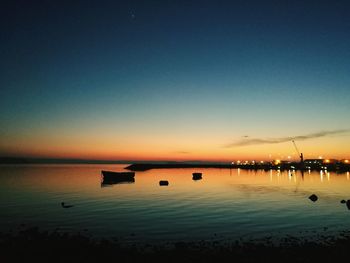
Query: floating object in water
x=343, y=201
x=117, y=175
x=66, y=206
x=348, y=204
x=163, y=183
x=313, y=197
x=196, y=176
x=110, y=178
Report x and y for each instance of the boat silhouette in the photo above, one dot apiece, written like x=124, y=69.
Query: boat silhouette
x=111, y=178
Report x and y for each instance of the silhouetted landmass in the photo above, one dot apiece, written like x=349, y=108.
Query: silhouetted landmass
x=24, y=160
x=29, y=160
x=32, y=245
x=149, y=166
x=146, y=165
x=257, y=166
x=13, y=160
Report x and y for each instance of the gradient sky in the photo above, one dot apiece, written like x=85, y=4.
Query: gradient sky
x=174, y=80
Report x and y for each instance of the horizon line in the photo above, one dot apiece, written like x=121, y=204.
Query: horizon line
x=57, y=160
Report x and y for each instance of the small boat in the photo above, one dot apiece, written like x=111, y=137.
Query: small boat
x=115, y=176
x=196, y=176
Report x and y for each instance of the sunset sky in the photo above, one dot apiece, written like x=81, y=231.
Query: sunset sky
x=175, y=80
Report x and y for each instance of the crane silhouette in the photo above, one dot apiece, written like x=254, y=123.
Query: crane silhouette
x=300, y=154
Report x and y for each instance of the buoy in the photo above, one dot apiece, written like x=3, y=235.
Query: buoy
x=313, y=197
x=163, y=183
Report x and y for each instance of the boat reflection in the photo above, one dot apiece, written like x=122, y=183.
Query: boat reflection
x=110, y=178
x=112, y=181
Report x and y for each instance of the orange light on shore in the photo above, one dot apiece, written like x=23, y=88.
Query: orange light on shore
x=327, y=161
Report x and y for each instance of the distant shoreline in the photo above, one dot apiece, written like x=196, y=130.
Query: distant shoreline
x=148, y=165
x=29, y=160
x=25, y=160
x=258, y=166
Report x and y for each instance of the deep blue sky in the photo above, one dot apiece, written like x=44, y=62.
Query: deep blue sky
x=157, y=71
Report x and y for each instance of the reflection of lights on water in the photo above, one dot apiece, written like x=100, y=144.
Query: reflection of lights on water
x=347, y=175
x=238, y=171
x=309, y=171
x=321, y=175
x=328, y=175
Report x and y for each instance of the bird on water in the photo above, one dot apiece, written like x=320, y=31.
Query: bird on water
x=66, y=206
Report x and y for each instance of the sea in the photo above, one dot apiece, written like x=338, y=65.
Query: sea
x=225, y=205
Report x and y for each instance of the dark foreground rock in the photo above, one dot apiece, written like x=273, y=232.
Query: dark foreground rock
x=34, y=245
x=348, y=204
x=313, y=197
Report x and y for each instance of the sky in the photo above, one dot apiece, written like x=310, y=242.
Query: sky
x=175, y=80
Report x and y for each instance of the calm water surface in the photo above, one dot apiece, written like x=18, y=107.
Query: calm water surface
x=224, y=205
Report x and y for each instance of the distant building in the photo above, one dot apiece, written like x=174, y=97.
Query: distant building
x=314, y=161
x=330, y=161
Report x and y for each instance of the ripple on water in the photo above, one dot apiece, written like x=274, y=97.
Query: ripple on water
x=219, y=206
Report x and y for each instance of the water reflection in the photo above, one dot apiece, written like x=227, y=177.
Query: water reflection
x=233, y=202
x=112, y=181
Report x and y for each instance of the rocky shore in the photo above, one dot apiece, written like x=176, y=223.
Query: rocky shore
x=39, y=246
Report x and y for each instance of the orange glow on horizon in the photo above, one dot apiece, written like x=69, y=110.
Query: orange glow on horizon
x=164, y=148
